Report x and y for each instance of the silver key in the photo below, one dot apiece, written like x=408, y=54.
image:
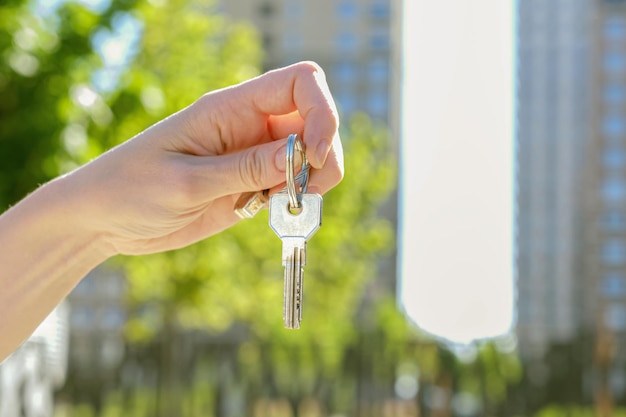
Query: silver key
x=294, y=228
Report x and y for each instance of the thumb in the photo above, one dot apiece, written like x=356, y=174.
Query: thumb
x=253, y=169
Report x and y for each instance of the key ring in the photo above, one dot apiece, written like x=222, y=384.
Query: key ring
x=294, y=143
x=250, y=203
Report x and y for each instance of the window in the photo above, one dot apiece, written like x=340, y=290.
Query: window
x=614, y=62
x=614, y=252
x=613, y=126
x=380, y=9
x=346, y=10
x=613, y=285
x=614, y=94
x=379, y=38
x=613, y=221
x=615, y=317
x=614, y=158
x=614, y=29
x=613, y=190
x=345, y=72
x=378, y=71
x=347, y=42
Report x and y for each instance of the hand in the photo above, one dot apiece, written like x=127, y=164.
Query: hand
x=177, y=182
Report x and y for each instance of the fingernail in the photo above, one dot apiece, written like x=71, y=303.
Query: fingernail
x=279, y=159
x=322, y=152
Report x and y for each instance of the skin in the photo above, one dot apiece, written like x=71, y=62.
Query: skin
x=171, y=185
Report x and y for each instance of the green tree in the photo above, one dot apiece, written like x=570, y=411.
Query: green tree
x=496, y=371
x=40, y=59
x=55, y=114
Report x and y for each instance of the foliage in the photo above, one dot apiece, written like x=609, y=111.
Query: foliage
x=64, y=102
x=38, y=66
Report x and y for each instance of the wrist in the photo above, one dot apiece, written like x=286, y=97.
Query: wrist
x=70, y=214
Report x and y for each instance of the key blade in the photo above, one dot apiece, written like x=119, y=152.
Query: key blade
x=303, y=224
x=288, y=293
x=292, y=297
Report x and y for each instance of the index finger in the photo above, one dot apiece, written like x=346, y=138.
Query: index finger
x=300, y=87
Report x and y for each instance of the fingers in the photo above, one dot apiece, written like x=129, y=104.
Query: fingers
x=300, y=87
x=326, y=178
x=258, y=168
x=237, y=130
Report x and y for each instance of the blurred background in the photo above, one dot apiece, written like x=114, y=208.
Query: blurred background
x=199, y=331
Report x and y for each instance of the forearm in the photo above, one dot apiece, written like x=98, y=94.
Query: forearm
x=45, y=249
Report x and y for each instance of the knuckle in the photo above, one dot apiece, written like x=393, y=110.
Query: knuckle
x=337, y=172
x=313, y=72
x=336, y=176
x=330, y=114
x=182, y=182
x=186, y=179
x=252, y=169
x=310, y=67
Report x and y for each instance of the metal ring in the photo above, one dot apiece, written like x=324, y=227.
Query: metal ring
x=294, y=143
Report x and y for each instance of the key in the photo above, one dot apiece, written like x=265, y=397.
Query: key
x=250, y=203
x=294, y=227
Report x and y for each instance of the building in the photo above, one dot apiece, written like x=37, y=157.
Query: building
x=607, y=160
x=605, y=201
x=552, y=132
x=30, y=376
x=97, y=316
x=571, y=219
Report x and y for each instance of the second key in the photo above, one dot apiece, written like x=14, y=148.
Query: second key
x=294, y=227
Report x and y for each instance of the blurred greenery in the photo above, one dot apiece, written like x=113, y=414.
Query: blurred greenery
x=205, y=334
